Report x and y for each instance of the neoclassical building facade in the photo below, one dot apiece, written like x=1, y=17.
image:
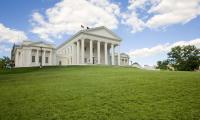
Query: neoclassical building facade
x=90, y=46
x=30, y=54
x=87, y=47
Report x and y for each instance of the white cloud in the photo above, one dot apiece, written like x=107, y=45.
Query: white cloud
x=146, y=52
x=160, y=13
x=67, y=16
x=8, y=35
x=173, y=11
x=135, y=23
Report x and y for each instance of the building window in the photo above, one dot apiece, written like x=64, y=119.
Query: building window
x=46, y=60
x=40, y=59
x=33, y=59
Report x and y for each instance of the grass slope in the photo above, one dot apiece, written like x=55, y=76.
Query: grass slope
x=96, y=92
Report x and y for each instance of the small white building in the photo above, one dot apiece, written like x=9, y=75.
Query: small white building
x=124, y=59
x=87, y=47
x=33, y=54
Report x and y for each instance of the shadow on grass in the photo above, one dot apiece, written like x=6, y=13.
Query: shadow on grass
x=44, y=68
x=26, y=69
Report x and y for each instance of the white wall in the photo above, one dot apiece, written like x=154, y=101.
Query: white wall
x=25, y=57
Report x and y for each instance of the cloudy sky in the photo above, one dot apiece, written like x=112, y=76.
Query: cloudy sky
x=149, y=28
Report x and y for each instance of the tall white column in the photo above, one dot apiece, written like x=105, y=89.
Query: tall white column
x=78, y=50
x=36, y=58
x=82, y=51
x=73, y=54
x=16, y=59
x=98, y=52
x=21, y=58
x=113, y=52
x=106, y=53
x=91, y=52
x=118, y=54
x=50, y=57
x=124, y=61
x=43, y=58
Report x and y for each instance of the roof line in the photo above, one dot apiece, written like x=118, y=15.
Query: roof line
x=69, y=39
x=85, y=31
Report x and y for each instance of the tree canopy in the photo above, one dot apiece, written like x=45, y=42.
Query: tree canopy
x=4, y=62
x=183, y=58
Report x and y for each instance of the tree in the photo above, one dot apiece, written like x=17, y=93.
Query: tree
x=4, y=62
x=162, y=64
x=1, y=63
x=186, y=58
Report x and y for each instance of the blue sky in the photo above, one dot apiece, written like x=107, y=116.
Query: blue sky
x=149, y=28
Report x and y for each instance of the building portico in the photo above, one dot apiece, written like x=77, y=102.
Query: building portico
x=93, y=51
x=90, y=48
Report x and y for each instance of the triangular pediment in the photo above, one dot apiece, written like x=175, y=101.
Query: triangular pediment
x=103, y=31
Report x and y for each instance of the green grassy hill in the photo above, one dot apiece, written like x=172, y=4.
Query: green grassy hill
x=98, y=92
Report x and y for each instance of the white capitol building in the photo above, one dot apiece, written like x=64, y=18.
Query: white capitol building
x=87, y=47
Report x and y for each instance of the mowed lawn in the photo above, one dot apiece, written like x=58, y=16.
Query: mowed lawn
x=98, y=93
